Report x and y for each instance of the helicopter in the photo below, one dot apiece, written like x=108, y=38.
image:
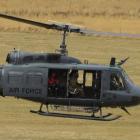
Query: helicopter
x=60, y=80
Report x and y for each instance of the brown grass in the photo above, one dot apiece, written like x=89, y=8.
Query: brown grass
x=104, y=15
x=17, y=123
x=92, y=8
x=107, y=15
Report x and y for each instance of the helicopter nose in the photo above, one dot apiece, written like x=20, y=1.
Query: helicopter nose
x=1, y=91
x=136, y=100
x=136, y=95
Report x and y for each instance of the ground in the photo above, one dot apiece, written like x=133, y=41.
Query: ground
x=18, y=123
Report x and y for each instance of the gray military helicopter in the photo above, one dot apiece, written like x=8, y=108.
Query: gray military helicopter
x=57, y=79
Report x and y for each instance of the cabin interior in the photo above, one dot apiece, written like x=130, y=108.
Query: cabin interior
x=71, y=83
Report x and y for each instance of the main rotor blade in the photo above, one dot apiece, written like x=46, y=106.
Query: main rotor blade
x=55, y=26
x=69, y=28
x=108, y=34
x=31, y=22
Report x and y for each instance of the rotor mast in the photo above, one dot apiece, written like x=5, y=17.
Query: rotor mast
x=63, y=45
x=55, y=26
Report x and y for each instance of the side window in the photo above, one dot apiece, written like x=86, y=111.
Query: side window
x=89, y=80
x=116, y=82
x=80, y=76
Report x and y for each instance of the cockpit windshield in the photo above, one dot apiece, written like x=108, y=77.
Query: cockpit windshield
x=126, y=77
x=116, y=81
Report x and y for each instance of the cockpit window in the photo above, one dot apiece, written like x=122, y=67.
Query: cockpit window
x=116, y=82
x=127, y=78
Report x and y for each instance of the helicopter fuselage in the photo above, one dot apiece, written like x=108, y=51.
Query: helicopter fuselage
x=91, y=85
x=56, y=78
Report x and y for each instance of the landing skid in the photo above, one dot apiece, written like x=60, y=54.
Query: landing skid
x=107, y=117
x=37, y=112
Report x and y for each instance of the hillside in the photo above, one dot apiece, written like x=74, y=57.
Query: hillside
x=17, y=123
x=104, y=15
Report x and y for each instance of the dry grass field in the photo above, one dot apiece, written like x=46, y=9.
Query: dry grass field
x=105, y=15
x=17, y=123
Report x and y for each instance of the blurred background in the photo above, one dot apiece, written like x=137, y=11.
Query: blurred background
x=102, y=15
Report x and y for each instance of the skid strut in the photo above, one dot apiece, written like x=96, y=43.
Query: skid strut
x=101, y=117
x=40, y=109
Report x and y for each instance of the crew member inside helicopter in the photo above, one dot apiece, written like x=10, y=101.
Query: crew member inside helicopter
x=53, y=84
x=75, y=89
x=57, y=83
x=116, y=82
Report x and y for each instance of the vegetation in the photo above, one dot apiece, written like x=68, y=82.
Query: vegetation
x=93, y=8
x=103, y=15
x=17, y=123
x=107, y=15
